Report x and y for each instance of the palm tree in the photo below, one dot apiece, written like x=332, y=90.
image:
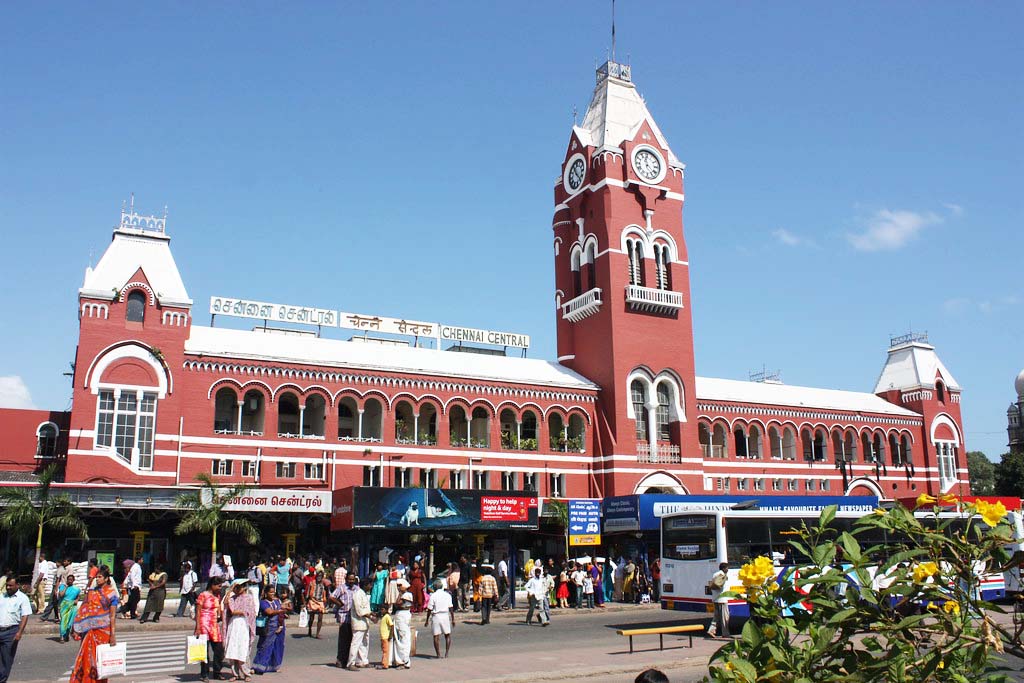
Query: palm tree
x=24, y=510
x=205, y=511
x=560, y=510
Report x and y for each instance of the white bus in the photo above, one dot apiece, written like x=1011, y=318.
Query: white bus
x=693, y=544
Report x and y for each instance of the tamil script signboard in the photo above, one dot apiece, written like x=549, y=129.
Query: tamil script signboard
x=281, y=500
x=420, y=509
x=286, y=313
x=584, y=521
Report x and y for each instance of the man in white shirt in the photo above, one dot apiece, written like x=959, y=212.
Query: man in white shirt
x=133, y=586
x=188, y=588
x=14, y=611
x=536, y=592
x=504, y=601
x=441, y=615
x=716, y=586
x=577, y=585
x=44, y=570
x=358, y=652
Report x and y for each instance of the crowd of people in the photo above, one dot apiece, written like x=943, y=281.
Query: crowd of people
x=244, y=617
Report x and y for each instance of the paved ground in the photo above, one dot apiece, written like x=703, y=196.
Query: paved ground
x=577, y=645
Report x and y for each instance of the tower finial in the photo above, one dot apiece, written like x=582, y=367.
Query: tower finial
x=613, y=30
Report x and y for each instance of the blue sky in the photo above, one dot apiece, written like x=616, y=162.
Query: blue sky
x=853, y=169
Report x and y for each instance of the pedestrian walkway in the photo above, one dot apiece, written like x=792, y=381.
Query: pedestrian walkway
x=150, y=654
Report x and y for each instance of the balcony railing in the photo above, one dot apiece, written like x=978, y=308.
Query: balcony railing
x=712, y=451
x=585, y=305
x=659, y=453
x=651, y=300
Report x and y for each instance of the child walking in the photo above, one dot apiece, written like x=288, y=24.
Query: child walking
x=387, y=629
x=588, y=590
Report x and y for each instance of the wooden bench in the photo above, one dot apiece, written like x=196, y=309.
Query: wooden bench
x=660, y=631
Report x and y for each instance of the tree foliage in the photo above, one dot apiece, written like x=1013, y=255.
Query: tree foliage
x=205, y=514
x=24, y=511
x=982, y=472
x=860, y=613
x=1009, y=475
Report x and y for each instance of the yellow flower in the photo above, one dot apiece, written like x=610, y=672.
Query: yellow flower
x=930, y=605
x=770, y=631
x=728, y=666
x=942, y=665
x=879, y=511
x=992, y=513
x=925, y=499
x=925, y=570
x=948, y=499
x=951, y=607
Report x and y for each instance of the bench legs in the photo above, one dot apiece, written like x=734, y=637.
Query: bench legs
x=631, y=645
x=661, y=641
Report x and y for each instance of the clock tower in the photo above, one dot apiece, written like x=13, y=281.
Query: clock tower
x=623, y=287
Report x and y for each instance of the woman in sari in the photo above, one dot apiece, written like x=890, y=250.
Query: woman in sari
x=95, y=625
x=380, y=582
x=68, y=594
x=416, y=584
x=157, y=594
x=270, y=647
x=240, y=617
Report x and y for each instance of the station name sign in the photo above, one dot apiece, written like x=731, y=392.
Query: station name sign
x=285, y=313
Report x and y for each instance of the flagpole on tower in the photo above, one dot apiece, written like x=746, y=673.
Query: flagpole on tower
x=613, y=30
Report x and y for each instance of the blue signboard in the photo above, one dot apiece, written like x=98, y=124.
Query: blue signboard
x=644, y=512
x=584, y=521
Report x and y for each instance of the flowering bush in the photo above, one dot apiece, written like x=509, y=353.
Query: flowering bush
x=858, y=610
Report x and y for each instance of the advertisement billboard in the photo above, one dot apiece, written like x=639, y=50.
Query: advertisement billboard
x=414, y=509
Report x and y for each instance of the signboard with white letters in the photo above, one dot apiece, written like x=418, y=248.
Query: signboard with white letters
x=285, y=313
x=281, y=500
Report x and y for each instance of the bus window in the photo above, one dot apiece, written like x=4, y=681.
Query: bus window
x=689, y=538
x=747, y=538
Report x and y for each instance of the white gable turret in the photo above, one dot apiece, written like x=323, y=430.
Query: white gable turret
x=138, y=242
x=616, y=113
x=913, y=364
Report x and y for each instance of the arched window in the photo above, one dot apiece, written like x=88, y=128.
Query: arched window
x=774, y=444
x=509, y=430
x=458, y=427
x=404, y=422
x=480, y=428
x=577, y=284
x=704, y=439
x=879, y=446
x=908, y=455
x=46, y=440
x=788, y=444
x=664, y=411
x=252, y=413
x=894, y=451
x=427, y=425
x=638, y=396
x=719, y=441
x=314, y=415
x=940, y=392
x=591, y=267
x=288, y=415
x=528, y=431
x=348, y=424
x=754, y=443
x=807, y=442
x=662, y=261
x=372, y=422
x=867, y=448
x=820, y=441
x=577, y=431
x=136, y=311
x=556, y=432
x=225, y=411
x=636, y=262
x=740, y=440
x=126, y=422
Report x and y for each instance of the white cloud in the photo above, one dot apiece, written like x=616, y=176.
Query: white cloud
x=889, y=230
x=954, y=209
x=962, y=304
x=14, y=393
x=786, y=237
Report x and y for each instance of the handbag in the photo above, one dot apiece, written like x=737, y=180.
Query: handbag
x=195, y=650
x=303, y=618
x=261, y=625
x=111, y=660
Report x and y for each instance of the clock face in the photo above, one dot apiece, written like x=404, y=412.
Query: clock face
x=647, y=164
x=576, y=171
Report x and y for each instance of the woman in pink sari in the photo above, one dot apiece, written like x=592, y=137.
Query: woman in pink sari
x=94, y=625
x=240, y=627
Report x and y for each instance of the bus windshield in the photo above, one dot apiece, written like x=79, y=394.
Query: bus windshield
x=689, y=537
